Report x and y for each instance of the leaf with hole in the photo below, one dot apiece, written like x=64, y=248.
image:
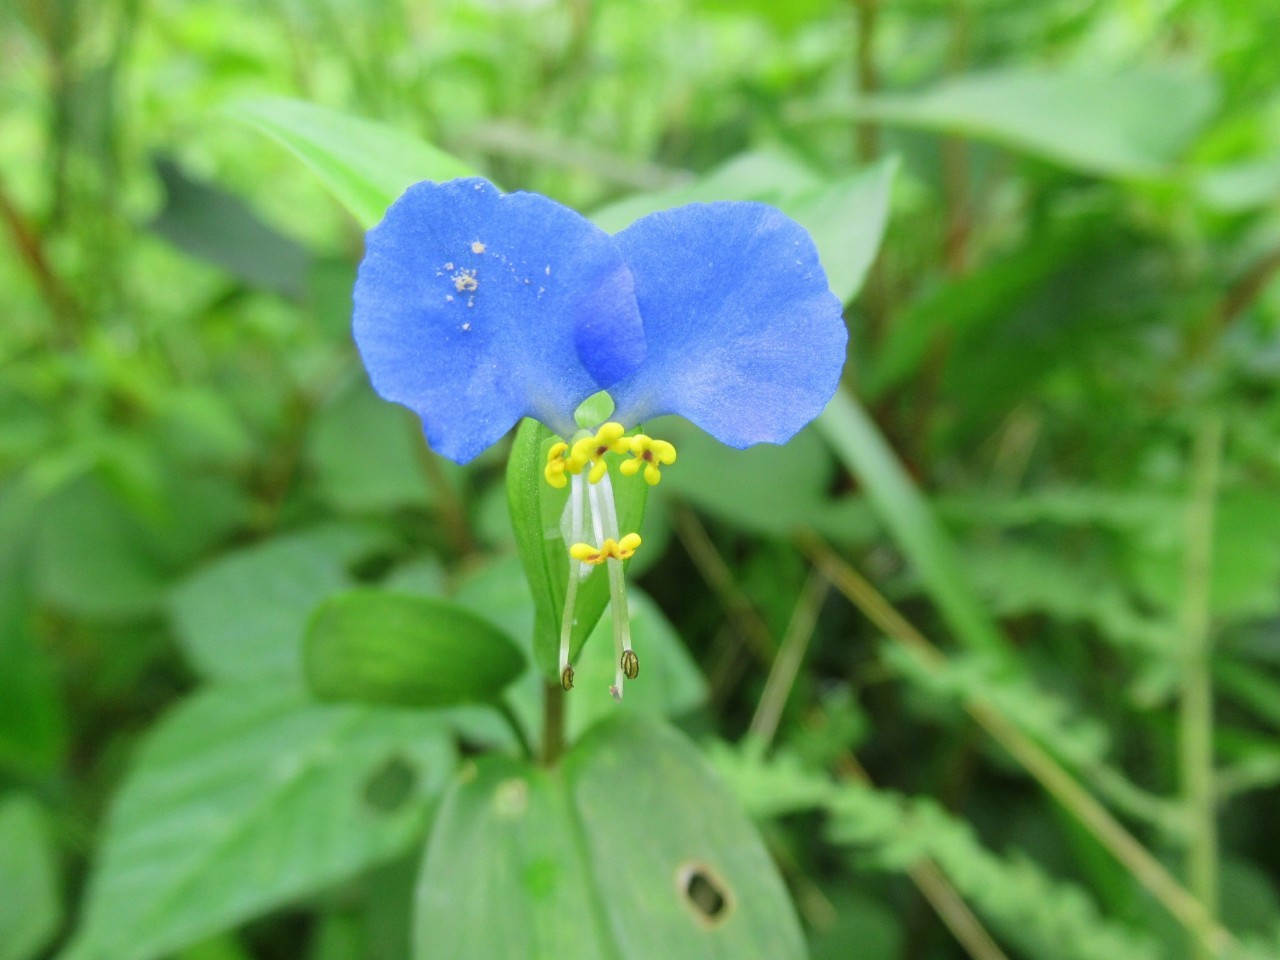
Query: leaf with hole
x=632, y=849
x=247, y=797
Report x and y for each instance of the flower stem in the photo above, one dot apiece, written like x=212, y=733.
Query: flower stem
x=552, y=723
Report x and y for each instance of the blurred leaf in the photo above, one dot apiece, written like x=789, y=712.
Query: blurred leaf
x=244, y=616
x=208, y=223
x=615, y=839
x=1245, y=578
x=847, y=219
x=782, y=16
x=366, y=165
x=536, y=509
x=31, y=907
x=670, y=684
x=909, y=518
x=788, y=489
x=402, y=650
x=90, y=559
x=1132, y=124
x=246, y=797
x=364, y=452
x=33, y=725
x=864, y=927
x=1237, y=187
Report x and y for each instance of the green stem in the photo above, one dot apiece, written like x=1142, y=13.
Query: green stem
x=1195, y=709
x=552, y=723
x=786, y=665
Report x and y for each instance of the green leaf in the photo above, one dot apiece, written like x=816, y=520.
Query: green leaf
x=90, y=559
x=1132, y=124
x=402, y=650
x=536, y=508
x=789, y=486
x=366, y=165
x=907, y=514
x=597, y=858
x=214, y=225
x=244, y=616
x=367, y=453
x=33, y=723
x=247, y=797
x=31, y=906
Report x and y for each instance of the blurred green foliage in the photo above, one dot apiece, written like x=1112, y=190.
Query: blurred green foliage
x=1027, y=570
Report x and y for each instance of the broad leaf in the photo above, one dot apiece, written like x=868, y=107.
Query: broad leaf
x=244, y=616
x=374, y=646
x=366, y=165
x=631, y=850
x=247, y=797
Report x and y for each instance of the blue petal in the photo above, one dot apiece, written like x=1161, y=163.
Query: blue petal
x=744, y=336
x=474, y=309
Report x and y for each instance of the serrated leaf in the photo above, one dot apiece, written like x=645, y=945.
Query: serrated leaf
x=366, y=165
x=31, y=906
x=374, y=646
x=246, y=797
x=597, y=859
x=536, y=508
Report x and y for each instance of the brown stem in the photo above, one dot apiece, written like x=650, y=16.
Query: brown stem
x=30, y=246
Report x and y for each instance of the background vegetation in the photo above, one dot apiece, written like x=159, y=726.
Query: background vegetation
x=991, y=653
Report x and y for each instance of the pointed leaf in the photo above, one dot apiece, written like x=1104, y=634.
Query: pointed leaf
x=364, y=164
x=631, y=850
x=374, y=646
x=246, y=797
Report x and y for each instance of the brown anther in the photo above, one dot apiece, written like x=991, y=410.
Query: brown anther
x=630, y=664
x=566, y=677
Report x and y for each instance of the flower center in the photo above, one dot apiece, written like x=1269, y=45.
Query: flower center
x=593, y=499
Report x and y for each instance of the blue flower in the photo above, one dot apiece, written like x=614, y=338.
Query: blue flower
x=475, y=309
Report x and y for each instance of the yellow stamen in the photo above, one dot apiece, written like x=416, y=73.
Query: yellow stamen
x=650, y=454
x=622, y=549
x=608, y=439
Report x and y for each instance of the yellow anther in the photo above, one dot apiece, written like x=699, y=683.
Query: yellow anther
x=650, y=454
x=608, y=439
x=622, y=549
x=627, y=546
x=556, y=465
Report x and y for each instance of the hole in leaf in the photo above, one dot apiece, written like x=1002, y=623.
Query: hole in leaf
x=390, y=785
x=705, y=893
